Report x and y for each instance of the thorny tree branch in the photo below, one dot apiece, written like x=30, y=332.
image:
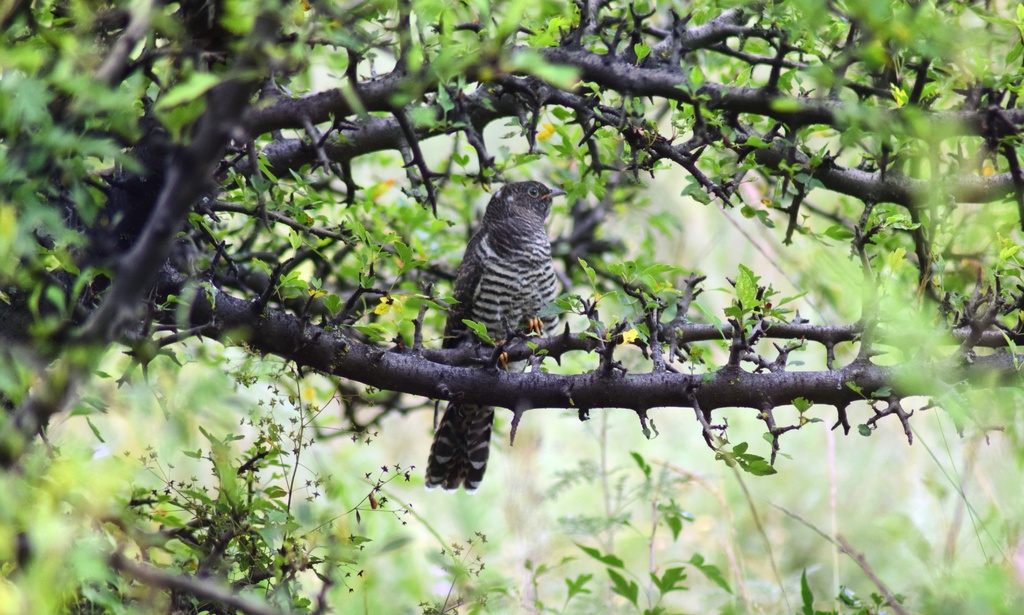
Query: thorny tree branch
x=419, y=372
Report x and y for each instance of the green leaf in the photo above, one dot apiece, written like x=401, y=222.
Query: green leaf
x=333, y=304
x=900, y=96
x=625, y=270
x=697, y=76
x=627, y=589
x=642, y=51
x=696, y=192
x=577, y=586
x=479, y=329
x=883, y=392
x=839, y=232
x=404, y=253
x=192, y=88
x=758, y=466
x=710, y=571
x=591, y=275
x=901, y=222
x=274, y=491
x=801, y=404
x=806, y=597
x=715, y=320
x=670, y=581
x=896, y=259
x=746, y=288
x=608, y=559
x=748, y=462
x=674, y=523
x=658, y=269
x=561, y=76
x=643, y=464
x=1016, y=52
x=95, y=430
x=864, y=430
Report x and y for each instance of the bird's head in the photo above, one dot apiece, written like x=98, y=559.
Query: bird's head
x=522, y=200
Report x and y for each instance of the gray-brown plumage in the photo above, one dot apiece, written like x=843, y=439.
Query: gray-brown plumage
x=505, y=278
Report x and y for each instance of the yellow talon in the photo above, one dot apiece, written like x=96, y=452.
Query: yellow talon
x=536, y=325
x=503, y=359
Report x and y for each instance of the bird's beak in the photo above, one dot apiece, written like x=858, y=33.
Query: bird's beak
x=555, y=192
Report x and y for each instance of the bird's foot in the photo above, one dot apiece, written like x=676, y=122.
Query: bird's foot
x=536, y=325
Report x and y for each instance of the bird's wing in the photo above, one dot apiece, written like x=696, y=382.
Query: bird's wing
x=466, y=283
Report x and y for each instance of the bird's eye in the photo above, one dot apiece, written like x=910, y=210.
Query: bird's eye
x=533, y=192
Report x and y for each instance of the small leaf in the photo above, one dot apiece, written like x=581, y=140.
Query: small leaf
x=192, y=88
x=627, y=589
x=577, y=586
x=670, y=580
x=403, y=252
x=642, y=51
x=561, y=76
x=589, y=271
x=711, y=316
x=274, y=491
x=883, y=392
x=839, y=232
x=479, y=329
x=640, y=462
x=895, y=259
x=609, y=559
x=746, y=288
x=710, y=571
x=95, y=430
x=696, y=192
x=675, y=524
x=806, y=597
x=899, y=95
x=625, y=270
x=758, y=466
x=332, y=303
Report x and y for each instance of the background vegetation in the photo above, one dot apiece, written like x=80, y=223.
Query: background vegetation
x=792, y=270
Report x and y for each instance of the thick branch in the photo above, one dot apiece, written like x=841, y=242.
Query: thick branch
x=408, y=372
x=203, y=589
x=380, y=133
x=891, y=187
x=613, y=73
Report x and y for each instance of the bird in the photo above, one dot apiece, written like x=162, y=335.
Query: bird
x=505, y=278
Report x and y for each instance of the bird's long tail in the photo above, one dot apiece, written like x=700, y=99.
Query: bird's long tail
x=461, y=446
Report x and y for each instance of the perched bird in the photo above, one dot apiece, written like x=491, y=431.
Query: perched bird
x=505, y=278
